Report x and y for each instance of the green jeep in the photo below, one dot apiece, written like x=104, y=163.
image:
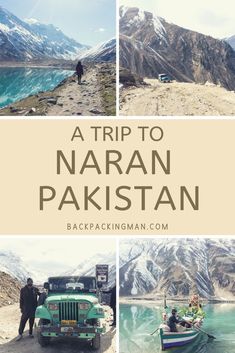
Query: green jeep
x=70, y=309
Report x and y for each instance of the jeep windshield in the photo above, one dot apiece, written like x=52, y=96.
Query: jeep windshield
x=72, y=284
x=164, y=77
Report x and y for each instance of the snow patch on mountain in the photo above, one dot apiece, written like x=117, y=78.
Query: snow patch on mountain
x=140, y=17
x=105, y=51
x=4, y=28
x=31, y=21
x=88, y=267
x=144, y=271
x=123, y=10
x=158, y=27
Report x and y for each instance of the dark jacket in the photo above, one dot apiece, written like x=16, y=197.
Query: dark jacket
x=79, y=69
x=28, y=300
x=113, y=297
x=172, y=321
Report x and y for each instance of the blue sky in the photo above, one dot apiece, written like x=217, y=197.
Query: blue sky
x=88, y=21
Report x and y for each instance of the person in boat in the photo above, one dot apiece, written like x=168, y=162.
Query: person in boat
x=177, y=325
x=79, y=71
x=200, y=312
x=195, y=307
x=172, y=321
x=194, y=301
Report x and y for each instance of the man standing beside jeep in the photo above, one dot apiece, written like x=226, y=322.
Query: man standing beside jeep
x=28, y=304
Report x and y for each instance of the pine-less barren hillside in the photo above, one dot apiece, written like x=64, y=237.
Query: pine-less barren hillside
x=150, y=46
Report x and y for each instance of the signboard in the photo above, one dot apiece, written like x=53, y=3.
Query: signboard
x=102, y=273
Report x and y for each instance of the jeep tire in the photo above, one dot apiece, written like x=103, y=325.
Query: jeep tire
x=43, y=341
x=95, y=342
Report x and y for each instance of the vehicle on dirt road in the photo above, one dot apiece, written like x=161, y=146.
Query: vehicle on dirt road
x=164, y=78
x=70, y=309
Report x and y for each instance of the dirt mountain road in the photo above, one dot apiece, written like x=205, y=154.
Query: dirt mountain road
x=84, y=99
x=176, y=99
x=9, y=321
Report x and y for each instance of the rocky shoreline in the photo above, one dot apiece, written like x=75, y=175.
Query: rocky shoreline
x=96, y=96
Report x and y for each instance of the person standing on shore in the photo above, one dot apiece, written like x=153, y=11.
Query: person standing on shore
x=28, y=304
x=113, y=302
x=79, y=71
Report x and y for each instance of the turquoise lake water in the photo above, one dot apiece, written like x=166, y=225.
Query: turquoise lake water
x=138, y=321
x=17, y=83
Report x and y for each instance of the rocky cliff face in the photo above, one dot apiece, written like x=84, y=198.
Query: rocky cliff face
x=178, y=267
x=9, y=289
x=149, y=46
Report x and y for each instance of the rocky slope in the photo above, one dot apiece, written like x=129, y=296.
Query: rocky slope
x=178, y=267
x=149, y=46
x=129, y=79
x=96, y=96
x=26, y=41
x=9, y=289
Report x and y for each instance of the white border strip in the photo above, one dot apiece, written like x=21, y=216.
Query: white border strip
x=117, y=308
x=117, y=59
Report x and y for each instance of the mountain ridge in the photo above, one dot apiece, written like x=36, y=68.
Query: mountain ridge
x=16, y=268
x=149, y=45
x=178, y=267
x=25, y=41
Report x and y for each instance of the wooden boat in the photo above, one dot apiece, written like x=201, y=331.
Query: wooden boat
x=177, y=339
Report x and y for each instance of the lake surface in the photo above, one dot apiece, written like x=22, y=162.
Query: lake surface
x=138, y=321
x=17, y=82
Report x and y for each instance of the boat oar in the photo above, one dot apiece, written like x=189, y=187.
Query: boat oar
x=206, y=333
x=154, y=331
x=165, y=306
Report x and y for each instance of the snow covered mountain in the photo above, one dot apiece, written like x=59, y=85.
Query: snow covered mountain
x=25, y=41
x=149, y=46
x=178, y=267
x=14, y=266
x=101, y=53
x=88, y=268
x=56, y=42
x=231, y=41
